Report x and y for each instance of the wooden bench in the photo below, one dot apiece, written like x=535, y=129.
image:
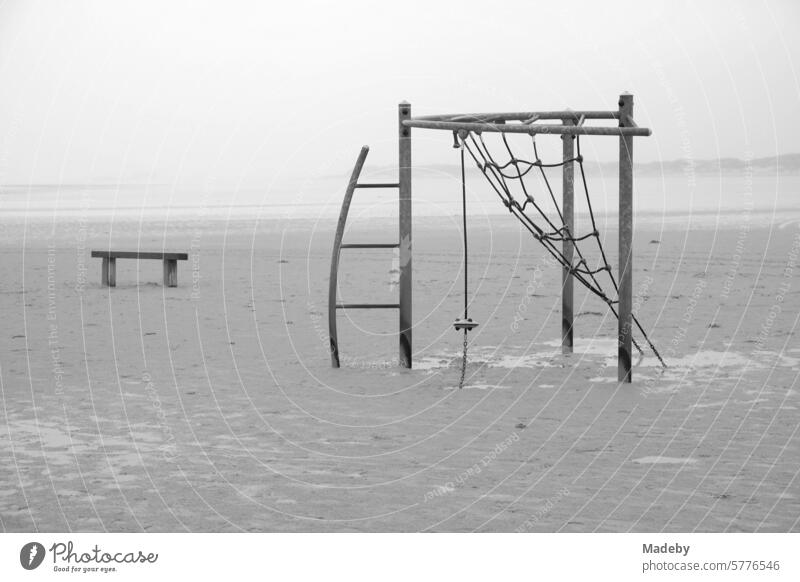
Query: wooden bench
x=108, y=274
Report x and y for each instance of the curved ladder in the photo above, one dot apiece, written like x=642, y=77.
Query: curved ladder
x=333, y=305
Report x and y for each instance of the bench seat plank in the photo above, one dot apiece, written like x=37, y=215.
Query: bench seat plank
x=141, y=255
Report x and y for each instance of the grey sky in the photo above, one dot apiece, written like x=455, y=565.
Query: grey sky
x=253, y=94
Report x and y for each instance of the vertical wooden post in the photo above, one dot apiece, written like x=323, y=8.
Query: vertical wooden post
x=404, y=112
x=568, y=246
x=108, y=272
x=625, y=240
x=170, y=273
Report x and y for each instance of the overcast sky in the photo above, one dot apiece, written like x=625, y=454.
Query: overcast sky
x=246, y=94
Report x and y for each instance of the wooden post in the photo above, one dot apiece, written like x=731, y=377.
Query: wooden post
x=568, y=246
x=108, y=272
x=404, y=112
x=625, y=240
x=170, y=273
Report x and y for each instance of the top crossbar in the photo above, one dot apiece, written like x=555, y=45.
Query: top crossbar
x=527, y=123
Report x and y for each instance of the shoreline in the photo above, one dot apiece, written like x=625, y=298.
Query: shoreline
x=213, y=218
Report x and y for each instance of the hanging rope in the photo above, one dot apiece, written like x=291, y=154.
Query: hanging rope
x=466, y=266
x=466, y=324
x=498, y=176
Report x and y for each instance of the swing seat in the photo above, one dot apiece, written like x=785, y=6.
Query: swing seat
x=466, y=324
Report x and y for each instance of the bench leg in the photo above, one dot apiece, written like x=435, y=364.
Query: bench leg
x=170, y=273
x=108, y=272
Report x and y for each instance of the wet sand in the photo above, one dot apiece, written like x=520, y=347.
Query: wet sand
x=213, y=407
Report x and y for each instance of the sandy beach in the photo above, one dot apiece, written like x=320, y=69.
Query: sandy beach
x=213, y=407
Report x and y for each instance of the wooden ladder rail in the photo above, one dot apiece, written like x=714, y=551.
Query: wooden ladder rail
x=333, y=305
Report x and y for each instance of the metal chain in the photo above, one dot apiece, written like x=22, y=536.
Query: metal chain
x=463, y=363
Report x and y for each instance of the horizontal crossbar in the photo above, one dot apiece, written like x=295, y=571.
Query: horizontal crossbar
x=371, y=246
x=141, y=255
x=523, y=128
x=521, y=116
x=367, y=306
x=378, y=185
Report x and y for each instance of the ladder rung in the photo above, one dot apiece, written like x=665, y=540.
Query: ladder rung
x=370, y=246
x=367, y=306
x=378, y=185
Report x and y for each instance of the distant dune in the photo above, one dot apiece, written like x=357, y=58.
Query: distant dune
x=783, y=164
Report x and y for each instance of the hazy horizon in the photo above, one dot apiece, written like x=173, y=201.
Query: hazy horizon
x=234, y=96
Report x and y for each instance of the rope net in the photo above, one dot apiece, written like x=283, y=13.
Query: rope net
x=544, y=227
